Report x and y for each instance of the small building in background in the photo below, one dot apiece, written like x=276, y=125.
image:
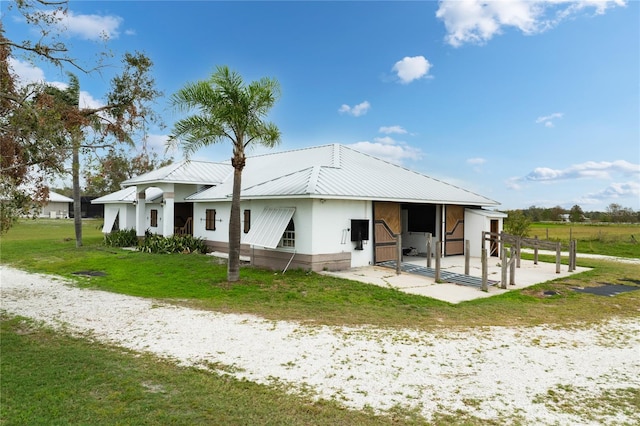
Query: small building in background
x=57, y=207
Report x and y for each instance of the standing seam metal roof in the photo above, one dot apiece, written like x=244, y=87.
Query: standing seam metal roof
x=193, y=172
x=340, y=172
x=328, y=171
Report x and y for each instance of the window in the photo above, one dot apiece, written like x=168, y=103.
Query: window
x=210, y=221
x=289, y=236
x=154, y=218
x=247, y=221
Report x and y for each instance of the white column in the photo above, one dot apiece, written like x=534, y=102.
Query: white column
x=141, y=222
x=168, y=214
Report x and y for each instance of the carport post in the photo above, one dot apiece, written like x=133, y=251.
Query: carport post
x=399, y=262
x=503, y=268
x=429, y=249
x=437, y=276
x=512, y=268
x=485, y=272
x=467, y=249
x=572, y=255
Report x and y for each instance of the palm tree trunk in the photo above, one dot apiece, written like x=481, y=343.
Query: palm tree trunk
x=77, y=206
x=233, y=266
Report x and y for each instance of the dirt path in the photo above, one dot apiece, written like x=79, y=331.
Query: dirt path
x=492, y=373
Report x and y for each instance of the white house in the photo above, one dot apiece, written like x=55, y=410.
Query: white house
x=326, y=207
x=57, y=206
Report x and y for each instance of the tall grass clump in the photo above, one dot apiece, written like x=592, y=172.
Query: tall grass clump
x=154, y=243
x=122, y=238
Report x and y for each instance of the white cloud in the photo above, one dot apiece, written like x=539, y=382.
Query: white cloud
x=392, y=153
x=25, y=73
x=158, y=143
x=477, y=21
x=601, y=170
x=386, y=140
x=88, y=101
x=392, y=129
x=513, y=183
x=356, y=110
x=411, y=68
x=590, y=169
x=89, y=27
x=476, y=161
x=548, y=120
x=617, y=190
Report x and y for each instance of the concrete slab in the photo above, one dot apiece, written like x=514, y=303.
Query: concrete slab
x=527, y=275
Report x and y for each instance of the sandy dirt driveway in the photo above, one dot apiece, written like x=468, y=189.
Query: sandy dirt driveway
x=490, y=373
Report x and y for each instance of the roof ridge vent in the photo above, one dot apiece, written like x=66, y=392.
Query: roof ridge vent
x=313, y=180
x=336, y=156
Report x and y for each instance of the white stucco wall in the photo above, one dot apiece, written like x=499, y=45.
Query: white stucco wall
x=127, y=216
x=154, y=229
x=60, y=210
x=475, y=222
x=331, y=222
x=221, y=233
x=322, y=227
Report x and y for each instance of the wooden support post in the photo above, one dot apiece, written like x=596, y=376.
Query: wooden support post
x=535, y=251
x=512, y=267
x=438, y=254
x=467, y=249
x=558, y=257
x=570, y=262
x=518, y=248
x=503, y=268
x=399, y=262
x=429, y=239
x=485, y=271
x=575, y=254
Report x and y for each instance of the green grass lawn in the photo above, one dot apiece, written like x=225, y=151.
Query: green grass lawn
x=613, y=239
x=48, y=246
x=50, y=378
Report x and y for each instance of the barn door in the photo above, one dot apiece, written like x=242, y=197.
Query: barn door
x=454, y=230
x=493, y=250
x=386, y=226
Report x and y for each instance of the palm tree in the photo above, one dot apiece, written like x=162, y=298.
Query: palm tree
x=227, y=110
x=68, y=103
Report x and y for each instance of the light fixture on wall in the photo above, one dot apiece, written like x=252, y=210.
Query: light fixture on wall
x=135, y=202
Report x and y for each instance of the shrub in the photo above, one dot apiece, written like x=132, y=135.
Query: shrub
x=154, y=243
x=122, y=238
x=517, y=224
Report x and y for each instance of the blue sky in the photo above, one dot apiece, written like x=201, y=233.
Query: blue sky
x=525, y=102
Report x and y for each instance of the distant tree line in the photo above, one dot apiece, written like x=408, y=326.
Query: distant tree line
x=614, y=213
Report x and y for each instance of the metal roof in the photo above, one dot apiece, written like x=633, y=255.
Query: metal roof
x=128, y=195
x=54, y=197
x=488, y=213
x=193, y=172
x=337, y=171
x=268, y=228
